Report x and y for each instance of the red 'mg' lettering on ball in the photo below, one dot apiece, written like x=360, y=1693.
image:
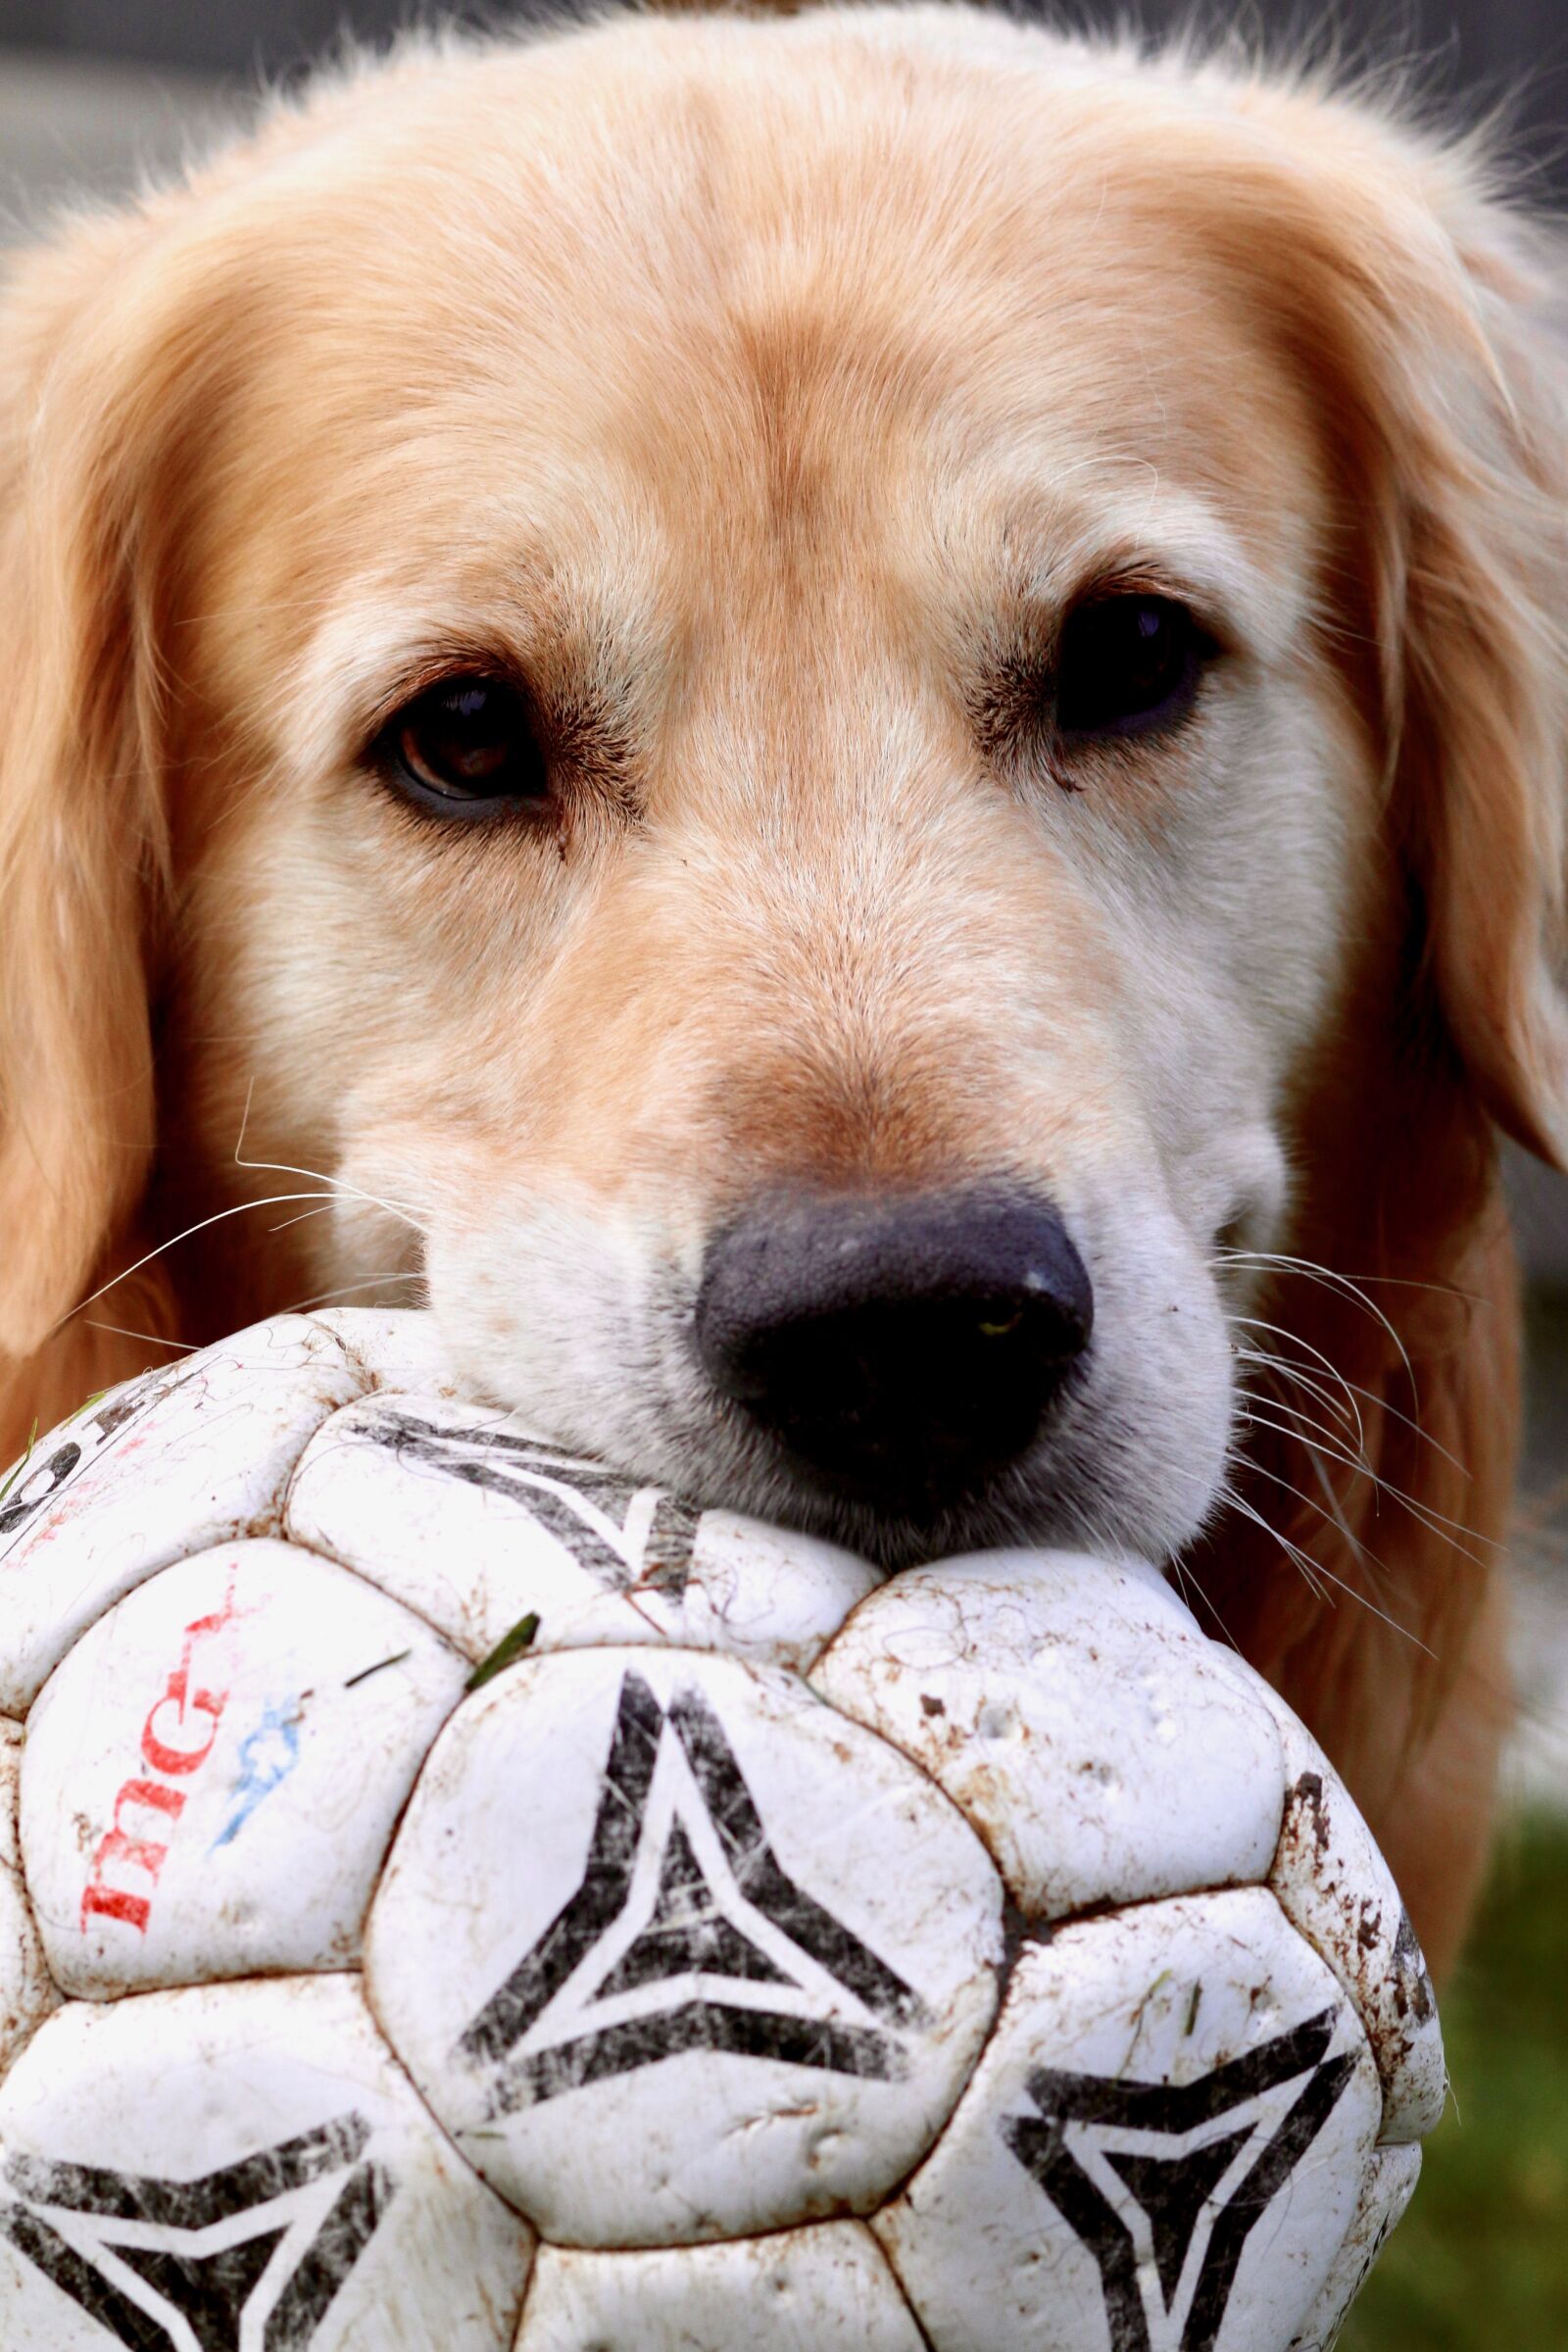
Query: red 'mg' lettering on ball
x=176, y=1740
x=161, y=1753
x=142, y=1855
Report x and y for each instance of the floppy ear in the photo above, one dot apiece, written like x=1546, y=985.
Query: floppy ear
x=1435, y=326
x=82, y=838
x=1483, y=740
x=1424, y=319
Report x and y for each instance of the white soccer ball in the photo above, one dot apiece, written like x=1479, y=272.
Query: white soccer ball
x=456, y=1897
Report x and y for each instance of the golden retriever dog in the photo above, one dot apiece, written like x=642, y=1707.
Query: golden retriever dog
x=852, y=730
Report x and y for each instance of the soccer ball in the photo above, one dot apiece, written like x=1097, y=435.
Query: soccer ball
x=455, y=1896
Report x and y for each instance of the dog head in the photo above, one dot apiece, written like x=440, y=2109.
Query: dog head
x=778, y=689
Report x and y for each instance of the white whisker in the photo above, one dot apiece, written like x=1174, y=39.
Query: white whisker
x=1335, y=1511
x=1191, y=1591
x=1303, y=1421
x=1332, y=1281
x=1436, y=1523
x=283, y=1223
x=1259, y=1417
x=367, y=1282
x=1313, y=1569
x=339, y=1184
x=154, y=1339
x=1308, y=1265
x=1256, y=1323
x=238, y=1208
x=1304, y=1560
x=1269, y=1362
x=1355, y=1389
x=1405, y=1632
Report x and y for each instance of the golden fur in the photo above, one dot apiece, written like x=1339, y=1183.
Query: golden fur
x=758, y=391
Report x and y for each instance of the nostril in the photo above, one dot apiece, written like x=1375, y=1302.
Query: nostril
x=899, y=1351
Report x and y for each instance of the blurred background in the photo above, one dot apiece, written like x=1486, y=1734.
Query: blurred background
x=93, y=92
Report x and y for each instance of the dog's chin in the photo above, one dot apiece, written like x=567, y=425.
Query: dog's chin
x=984, y=1522
x=1113, y=1479
x=1045, y=1507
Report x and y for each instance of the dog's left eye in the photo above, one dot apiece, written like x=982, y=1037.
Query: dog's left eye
x=1127, y=664
x=463, y=748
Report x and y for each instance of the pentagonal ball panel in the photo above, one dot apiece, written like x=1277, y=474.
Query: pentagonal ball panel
x=211, y=1776
x=184, y=1458
x=1074, y=1713
x=477, y=1522
x=827, y=2289
x=675, y=1953
x=240, y=2165
x=1164, y=2144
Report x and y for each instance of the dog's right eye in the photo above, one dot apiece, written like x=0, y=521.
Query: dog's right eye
x=465, y=747
x=1128, y=664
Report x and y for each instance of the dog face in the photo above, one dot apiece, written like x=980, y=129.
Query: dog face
x=794, y=679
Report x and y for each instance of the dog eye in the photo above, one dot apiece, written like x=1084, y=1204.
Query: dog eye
x=463, y=748
x=1127, y=664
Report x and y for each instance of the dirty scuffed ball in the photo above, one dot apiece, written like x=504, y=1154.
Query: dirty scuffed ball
x=458, y=1899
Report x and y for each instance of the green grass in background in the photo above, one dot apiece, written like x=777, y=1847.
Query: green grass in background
x=1480, y=2263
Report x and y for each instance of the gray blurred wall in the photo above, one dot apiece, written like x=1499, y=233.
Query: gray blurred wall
x=1490, y=45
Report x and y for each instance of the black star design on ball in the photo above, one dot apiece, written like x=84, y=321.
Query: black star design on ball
x=630, y=1536
x=190, y=2256
x=1194, y=2203
x=650, y=1915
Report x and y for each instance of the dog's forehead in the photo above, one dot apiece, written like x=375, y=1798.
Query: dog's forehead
x=635, y=303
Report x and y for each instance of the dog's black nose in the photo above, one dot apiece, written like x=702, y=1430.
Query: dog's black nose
x=901, y=1351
